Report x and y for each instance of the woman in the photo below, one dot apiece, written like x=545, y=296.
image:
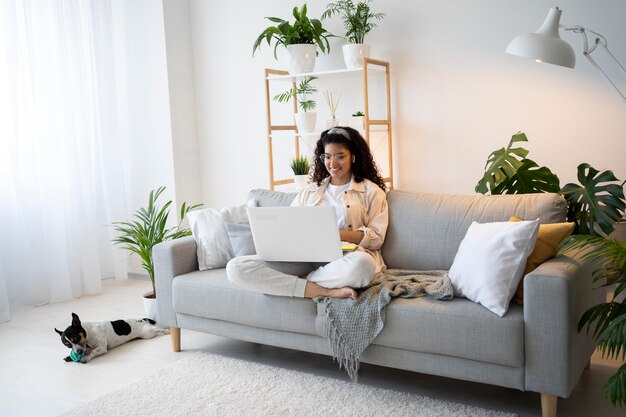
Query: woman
x=344, y=176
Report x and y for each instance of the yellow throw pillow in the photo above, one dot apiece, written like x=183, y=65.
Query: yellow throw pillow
x=550, y=235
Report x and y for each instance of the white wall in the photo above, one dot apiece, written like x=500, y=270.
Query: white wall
x=456, y=95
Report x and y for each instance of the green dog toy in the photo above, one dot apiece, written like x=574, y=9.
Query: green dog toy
x=75, y=356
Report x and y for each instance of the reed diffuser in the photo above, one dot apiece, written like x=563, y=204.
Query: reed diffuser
x=332, y=100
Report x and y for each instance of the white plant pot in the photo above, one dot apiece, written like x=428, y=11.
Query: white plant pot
x=353, y=54
x=357, y=122
x=305, y=121
x=150, y=304
x=301, y=58
x=301, y=181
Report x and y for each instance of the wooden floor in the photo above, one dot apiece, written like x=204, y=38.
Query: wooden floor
x=36, y=382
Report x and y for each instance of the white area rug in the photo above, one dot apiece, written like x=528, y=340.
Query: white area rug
x=205, y=384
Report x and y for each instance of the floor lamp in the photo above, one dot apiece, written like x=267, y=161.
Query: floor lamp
x=545, y=45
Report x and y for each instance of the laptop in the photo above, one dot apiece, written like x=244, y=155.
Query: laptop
x=295, y=234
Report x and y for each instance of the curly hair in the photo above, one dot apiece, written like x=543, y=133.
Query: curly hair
x=363, y=167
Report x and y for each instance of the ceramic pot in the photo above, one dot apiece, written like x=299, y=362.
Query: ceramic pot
x=301, y=58
x=353, y=54
x=149, y=303
x=305, y=121
x=357, y=122
x=301, y=181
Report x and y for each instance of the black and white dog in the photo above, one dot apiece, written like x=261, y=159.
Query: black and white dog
x=88, y=340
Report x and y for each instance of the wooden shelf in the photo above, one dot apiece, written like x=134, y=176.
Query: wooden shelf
x=370, y=125
x=320, y=74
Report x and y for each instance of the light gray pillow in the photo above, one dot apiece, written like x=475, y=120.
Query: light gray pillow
x=240, y=237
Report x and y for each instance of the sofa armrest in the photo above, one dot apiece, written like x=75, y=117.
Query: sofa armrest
x=556, y=294
x=171, y=258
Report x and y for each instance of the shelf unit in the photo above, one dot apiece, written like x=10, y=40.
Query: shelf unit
x=384, y=124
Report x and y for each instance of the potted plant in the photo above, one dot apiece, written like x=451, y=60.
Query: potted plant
x=608, y=319
x=596, y=205
x=358, y=21
x=301, y=40
x=148, y=228
x=305, y=119
x=358, y=120
x=300, y=167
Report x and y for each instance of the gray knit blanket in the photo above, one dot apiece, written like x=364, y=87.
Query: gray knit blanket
x=351, y=325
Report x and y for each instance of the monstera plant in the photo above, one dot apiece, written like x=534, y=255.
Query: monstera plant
x=595, y=205
x=508, y=171
x=598, y=202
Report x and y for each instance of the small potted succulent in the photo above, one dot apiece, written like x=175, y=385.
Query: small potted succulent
x=305, y=119
x=301, y=39
x=300, y=167
x=358, y=20
x=358, y=120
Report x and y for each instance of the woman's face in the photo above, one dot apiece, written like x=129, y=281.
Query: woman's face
x=338, y=163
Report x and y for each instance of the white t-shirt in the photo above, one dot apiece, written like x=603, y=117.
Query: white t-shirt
x=333, y=196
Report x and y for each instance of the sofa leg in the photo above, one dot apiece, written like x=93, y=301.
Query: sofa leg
x=548, y=405
x=175, y=336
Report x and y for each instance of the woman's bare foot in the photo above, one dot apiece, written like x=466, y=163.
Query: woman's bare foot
x=313, y=290
x=345, y=292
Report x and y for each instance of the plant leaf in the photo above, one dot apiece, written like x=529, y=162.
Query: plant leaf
x=593, y=203
x=612, y=341
x=615, y=388
x=502, y=165
x=529, y=178
x=148, y=228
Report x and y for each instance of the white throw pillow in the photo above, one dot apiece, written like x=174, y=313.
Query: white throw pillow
x=209, y=232
x=236, y=214
x=213, y=244
x=491, y=260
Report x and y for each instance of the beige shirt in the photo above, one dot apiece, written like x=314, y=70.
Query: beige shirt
x=366, y=210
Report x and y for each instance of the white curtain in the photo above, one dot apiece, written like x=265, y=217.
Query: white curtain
x=61, y=166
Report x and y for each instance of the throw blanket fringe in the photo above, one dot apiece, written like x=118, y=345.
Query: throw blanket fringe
x=351, y=325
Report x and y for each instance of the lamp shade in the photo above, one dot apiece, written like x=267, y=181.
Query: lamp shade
x=545, y=44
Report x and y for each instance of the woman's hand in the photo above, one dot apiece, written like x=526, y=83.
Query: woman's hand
x=352, y=236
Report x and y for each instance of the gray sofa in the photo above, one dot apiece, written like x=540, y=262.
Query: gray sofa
x=534, y=347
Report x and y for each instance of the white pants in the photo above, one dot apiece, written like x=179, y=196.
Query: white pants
x=355, y=270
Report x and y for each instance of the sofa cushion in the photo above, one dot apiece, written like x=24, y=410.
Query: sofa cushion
x=208, y=227
x=548, y=240
x=266, y=198
x=457, y=328
x=210, y=294
x=490, y=262
x=240, y=236
x=425, y=230
x=213, y=247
